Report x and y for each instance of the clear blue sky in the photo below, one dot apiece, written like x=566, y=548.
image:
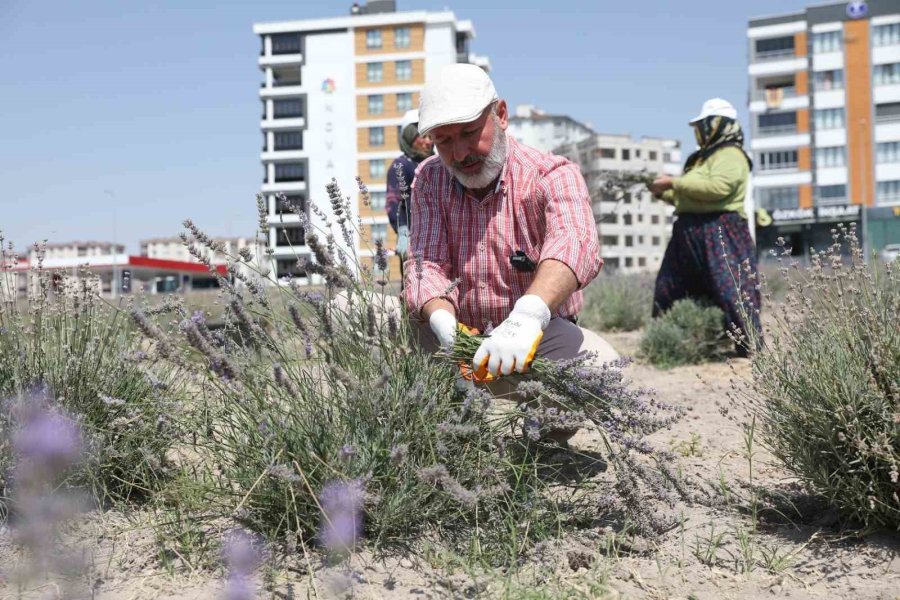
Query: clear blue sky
x=153, y=107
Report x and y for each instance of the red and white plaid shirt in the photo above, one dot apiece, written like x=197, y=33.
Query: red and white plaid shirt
x=541, y=206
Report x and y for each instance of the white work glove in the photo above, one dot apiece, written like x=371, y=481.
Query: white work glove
x=443, y=324
x=513, y=343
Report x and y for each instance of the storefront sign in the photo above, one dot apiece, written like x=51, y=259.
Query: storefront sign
x=849, y=212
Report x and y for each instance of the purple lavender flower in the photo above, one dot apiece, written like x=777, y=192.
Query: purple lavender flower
x=242, y=556
x=198, y=317
x=342, y=514
x=49, y=440
x=347, y=452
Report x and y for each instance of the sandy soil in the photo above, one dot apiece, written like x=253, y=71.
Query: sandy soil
x=811, y=559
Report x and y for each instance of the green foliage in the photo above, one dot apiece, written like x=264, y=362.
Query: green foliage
x=687, y=334
x=65, y=345
x=617, y=303
x=827, y=381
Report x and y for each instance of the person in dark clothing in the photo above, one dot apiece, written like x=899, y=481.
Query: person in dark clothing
x=416, y=148
x=711, y=256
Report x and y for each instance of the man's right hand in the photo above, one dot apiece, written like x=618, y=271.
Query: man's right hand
x=443, y=324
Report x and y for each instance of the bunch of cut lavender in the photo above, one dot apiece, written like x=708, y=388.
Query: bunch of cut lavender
x=573, y=391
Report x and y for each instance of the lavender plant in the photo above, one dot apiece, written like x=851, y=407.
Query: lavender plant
x=63, y=339
x=688, y=333
x=568, y=394
x=826, y=382
x=617, y=303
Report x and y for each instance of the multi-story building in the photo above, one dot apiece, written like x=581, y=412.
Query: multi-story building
x=173, y=248
x=534, y=127
x=634, y=228
x=825, y=133
x=76, y=250
x=334, y=93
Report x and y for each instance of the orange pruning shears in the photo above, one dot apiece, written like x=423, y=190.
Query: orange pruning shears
x=465, y=367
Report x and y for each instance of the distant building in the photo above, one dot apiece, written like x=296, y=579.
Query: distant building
x=333, y=95
x=825, y=109
x=635, y=228
x=538, y=129
x=172, y=248
x=66, y=250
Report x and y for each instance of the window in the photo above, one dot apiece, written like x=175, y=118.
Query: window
x=289, y=236
x=771, y=198
x=376, y=104
x=887, y=112
x=373, y=39
x=829, y=41
x=831, y=194
x=886, y=74
x=637, y=153
x=642, y=262
x=378, y=200
x=655, y=240
x=609, y=240
x=777, y=159
x=376, y=169
x=288, y=140
x=828, y=80
x=403, y=70
x=374, y=72
x=888, y=191
x=654, y=219
x=629, y=241
x=626, y=218
x=376, y=136
x=401, y=37
x=287, y=108
x=287, y=43
x=829, y=118
x=289, y=267
x=628, y=261
x=290, y=172
x=652, y=155
x=777, y=122
x=641, y=239
x=626, y=154
x=886, y=35
x=404, y=102
x=832, y=156
x=609, y=218
x=626, y=198
x=290, y=204
x=611, y=263
x=607, y=152
x=379, y=232
x=887, y=152
x=775, y=47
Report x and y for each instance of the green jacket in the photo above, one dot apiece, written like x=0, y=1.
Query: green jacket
x=717, y=185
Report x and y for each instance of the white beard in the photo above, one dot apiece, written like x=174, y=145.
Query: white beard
x=491, y=165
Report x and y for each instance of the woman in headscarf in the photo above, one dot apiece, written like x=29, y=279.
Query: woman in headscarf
x=416, y=148
x=711, y=256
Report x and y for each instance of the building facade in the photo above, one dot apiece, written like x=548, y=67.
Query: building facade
x=173, y=248
x=534, y=127
x=75, y=250
x=634, y=227
x=334, y=93
x=825, y=134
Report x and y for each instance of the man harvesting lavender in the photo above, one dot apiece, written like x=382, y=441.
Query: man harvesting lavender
x=502, y=234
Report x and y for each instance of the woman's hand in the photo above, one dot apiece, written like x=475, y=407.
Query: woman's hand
x=660, y=185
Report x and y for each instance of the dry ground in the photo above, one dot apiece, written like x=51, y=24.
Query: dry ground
x=702, y=559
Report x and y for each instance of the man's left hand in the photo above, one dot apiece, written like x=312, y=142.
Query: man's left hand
x=661, y=184
x=513, y=344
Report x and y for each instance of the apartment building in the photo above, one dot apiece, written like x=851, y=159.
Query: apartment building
x=173, y=248
x=333, y=95
x=76, y=250
x=634, y=228
x=825, y=132
x=535, y=127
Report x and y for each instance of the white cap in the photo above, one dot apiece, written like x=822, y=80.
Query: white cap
x=409, y=117
x=459, y=94
x=716, y=107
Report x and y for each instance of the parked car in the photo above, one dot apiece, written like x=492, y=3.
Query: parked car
x=890, y=253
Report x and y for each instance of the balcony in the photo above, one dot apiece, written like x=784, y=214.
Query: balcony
x=281, y=60
x=776, y=130
x=770, y=94
x=780, y=53
x=279, y=123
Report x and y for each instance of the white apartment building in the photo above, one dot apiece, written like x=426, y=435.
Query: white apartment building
x=76, y=250
x=172, y=248
x=536, y=128
x=635, y=228
x=333, y=95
